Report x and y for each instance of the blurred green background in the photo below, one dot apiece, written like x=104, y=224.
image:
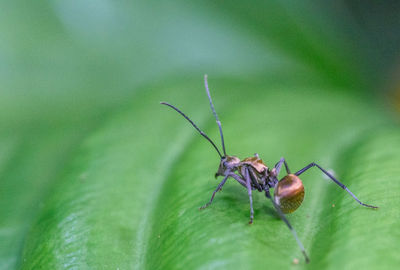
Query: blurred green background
x=95, y=174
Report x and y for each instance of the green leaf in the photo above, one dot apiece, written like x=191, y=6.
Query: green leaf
x=130, y=198
x=95, y=174
x=28, y=167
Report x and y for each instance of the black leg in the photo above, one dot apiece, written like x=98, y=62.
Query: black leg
x=254, y=177
x=334, y=180
x=248, y=185
x=282, y=216
x=215, y=191
x=279, y=165
x=238, y=178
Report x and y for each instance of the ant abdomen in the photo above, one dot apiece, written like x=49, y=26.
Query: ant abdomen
x=289, y=193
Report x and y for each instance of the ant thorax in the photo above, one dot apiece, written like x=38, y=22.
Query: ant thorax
x=262, y=177
x=259, y=173
x=256, y=163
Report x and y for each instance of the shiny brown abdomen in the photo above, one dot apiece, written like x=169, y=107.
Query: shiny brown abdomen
x=289, y=193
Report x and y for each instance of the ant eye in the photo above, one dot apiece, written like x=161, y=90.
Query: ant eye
x=289, y=193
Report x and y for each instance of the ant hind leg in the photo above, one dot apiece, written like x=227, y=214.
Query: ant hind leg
x=279, y=165
x=309, y=166
x=284, y=219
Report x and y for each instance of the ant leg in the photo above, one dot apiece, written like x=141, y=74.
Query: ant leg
x=253, y=178
x=248, y=185
x=279, y=165
x=215, y=191
x=238, y=178
x=334, y=180
x=282, y=216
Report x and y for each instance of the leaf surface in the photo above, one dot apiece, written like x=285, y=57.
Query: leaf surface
x=130, y=198
x=95, y=174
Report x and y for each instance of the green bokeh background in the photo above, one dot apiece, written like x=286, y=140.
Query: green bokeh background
x=95, y=174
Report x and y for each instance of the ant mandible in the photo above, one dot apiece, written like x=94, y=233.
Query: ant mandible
x=253, y=174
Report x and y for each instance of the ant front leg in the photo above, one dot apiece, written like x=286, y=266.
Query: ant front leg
x=248, y=185
x=283, y=217
x=217, y=189
x=238, y=178
x=334, y=180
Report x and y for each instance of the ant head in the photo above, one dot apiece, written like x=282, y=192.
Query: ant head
x=289, y=193
x=227, y=163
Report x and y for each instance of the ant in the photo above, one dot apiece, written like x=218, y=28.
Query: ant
x=253, y=174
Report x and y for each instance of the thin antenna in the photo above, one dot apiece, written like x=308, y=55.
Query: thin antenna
x=194, y=125
x=215, y=114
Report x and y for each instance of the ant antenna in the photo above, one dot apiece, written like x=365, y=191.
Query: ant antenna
x=194, y=125
x=215, y=113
